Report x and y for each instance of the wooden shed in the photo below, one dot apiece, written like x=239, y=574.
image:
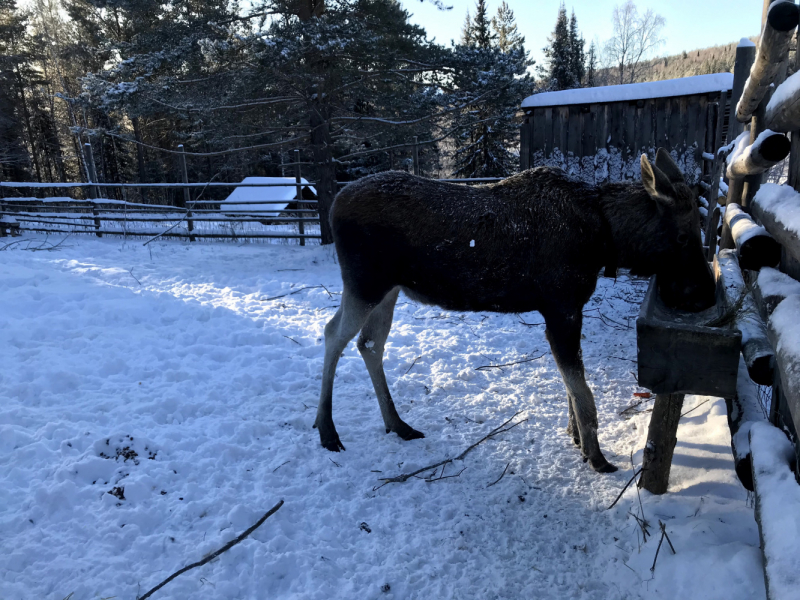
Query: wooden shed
x=598, y=134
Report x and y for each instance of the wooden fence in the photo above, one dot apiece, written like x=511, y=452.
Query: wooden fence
x=759, y=266
x=598, y=134
x=198, y=219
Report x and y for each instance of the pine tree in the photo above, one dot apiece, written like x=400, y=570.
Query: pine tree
x=504, y=25
x=466, y=31
x=14, y=157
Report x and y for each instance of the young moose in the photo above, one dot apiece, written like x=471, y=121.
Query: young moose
x=535, y=241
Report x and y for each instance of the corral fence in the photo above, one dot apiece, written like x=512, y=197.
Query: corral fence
x=193, y=217
x=758, y=268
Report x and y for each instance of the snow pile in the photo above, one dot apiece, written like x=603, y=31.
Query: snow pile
x=778, y=508
x=274, y=197
x=748, y=403
x=784, y=92
x=155, y=402
x=783, y=202
x=775, y=284
x=685, y=86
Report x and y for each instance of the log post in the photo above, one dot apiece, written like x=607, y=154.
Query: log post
x=94, y=193
x=755, y=247
x=756, y=348
x=773, y=48
x=186, y=196
x=745, y=56
x=743, y=411
x=765, y=151
x=662, y=435
x=298, y=179
x=716, y=118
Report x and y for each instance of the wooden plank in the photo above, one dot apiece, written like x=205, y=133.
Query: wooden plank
x=663, y=108
x=537, y=143
x=589, y=145
x=602, y=125
x=574, y=131
x=548, y=132
x=525, y=144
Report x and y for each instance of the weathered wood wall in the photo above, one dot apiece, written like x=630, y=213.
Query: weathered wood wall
x=603, y=142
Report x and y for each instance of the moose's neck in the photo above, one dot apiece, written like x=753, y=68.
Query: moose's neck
x=630, y=215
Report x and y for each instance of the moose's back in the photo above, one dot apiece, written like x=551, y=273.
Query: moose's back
x=508, y=247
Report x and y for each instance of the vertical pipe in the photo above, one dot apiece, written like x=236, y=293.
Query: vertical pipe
x=299, y=186
x=186, y=197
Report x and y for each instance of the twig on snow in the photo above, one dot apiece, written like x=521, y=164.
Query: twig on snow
x=499, y=478
x=496, y=431
x=297, y=291
x=294, y=340
x=280, y=465
x=214, y=555
x=695, y=408
x=412, y=365
x=134, y=276
x=664, y=531
x=519, y=362
x=630, y=481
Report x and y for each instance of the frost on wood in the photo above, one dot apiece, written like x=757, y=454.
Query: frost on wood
x=783, y=110
x=777, y=509
x=685, y=86
x=768, y=149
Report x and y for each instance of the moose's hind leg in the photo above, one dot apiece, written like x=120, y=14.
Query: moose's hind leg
x=371, y=344
x=342, y=328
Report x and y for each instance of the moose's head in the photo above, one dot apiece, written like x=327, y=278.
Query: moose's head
x=675, y=247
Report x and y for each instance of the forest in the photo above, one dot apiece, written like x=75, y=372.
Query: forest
x=350, y=84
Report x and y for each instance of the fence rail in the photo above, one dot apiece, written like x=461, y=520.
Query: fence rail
x=296, y=219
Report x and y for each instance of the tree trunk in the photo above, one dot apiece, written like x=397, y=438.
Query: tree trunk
x=661, y=440
x=140, y=157
x=321, y=145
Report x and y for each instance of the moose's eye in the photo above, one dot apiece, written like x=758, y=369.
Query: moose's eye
x=683, y=238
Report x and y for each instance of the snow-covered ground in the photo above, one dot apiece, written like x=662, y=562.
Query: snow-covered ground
x=173, y=353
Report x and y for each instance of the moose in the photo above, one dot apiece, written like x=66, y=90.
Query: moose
x=535, y=241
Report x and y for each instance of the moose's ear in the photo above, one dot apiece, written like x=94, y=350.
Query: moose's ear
x=657, y=184
x=667, y=166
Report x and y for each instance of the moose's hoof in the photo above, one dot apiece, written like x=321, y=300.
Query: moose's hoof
x=408, y=433
x=329, y=438
x=576, y=437
x=604, y=467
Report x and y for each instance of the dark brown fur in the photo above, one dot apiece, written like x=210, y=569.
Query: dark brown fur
x=534, y=241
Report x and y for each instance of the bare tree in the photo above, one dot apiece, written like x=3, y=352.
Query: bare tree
x=635, y=38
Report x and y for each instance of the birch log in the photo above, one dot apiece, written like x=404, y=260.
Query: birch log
x=754, y=246
x=773, y=49
x=768, y=149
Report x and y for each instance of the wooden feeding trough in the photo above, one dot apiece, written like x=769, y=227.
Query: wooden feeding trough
x=678, y=354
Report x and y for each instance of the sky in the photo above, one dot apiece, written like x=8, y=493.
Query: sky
x=690, y=24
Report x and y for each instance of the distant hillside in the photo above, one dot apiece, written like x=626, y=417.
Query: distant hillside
x=716, y=59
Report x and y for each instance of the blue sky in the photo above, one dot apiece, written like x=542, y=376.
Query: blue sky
x=690, y=24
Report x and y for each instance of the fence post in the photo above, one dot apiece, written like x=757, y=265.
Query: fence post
x=94, y=192
x=186, y=196
x=298, y=181
x=416, y=155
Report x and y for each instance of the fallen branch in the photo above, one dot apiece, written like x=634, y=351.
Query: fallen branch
x=297, y=291
x=630, y=481
x=496, y=431
x=661, y=541
x=696, y=407
x=211, y=557
x=519, y=362
x=499, y=478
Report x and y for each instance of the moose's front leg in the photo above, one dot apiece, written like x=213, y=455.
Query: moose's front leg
x=564, y=335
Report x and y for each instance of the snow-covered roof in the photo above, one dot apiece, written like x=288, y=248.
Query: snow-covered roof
x=685, y=86
x=263, y=194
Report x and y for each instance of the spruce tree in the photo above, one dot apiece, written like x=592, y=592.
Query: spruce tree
x=466, y=31
x=591, y=66
x=482, y=35
x=557, y=71
x=576, y=52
